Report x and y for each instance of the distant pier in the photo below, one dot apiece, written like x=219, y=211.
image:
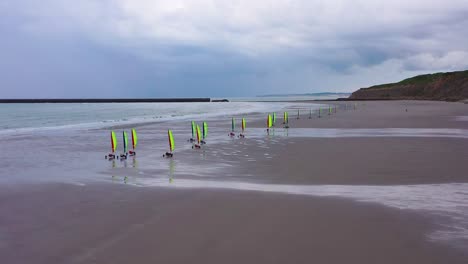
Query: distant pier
x=108, y=100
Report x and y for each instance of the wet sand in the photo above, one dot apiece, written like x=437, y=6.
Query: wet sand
x=364, y=160
x=124, y=224
x=117, y=223
x=360, y=161
x=385, y=114
x=283, y=159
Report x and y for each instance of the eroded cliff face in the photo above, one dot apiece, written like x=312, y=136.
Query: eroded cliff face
x=450, y=86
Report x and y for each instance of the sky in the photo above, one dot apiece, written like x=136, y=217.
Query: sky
x=223, y=48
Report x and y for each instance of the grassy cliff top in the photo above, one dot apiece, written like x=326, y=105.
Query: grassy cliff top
x=423, y=79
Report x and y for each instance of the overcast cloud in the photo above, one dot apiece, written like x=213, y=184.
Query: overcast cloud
x=138, y=48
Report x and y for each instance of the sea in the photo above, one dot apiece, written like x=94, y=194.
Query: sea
x=29, y=118
x=24, y=118
x=55, y=142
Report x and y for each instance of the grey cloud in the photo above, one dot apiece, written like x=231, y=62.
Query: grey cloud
x=164, y=48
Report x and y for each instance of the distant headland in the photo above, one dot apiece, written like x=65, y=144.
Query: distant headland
x=305, y=94
x=443, y=86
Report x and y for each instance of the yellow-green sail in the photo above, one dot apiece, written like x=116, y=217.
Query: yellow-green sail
x=171, y=140
x=269, y=121
x=198, y=134
x=205, y=130
x=193, y=129
x=243, y=124
x=286, y=117
x=113, y=141
x=274, y=118
x=134, y=138
x=125, y=141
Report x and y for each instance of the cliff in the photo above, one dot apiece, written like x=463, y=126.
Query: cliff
x=448, y=86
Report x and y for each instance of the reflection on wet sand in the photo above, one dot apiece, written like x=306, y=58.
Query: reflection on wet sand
x=171, y=170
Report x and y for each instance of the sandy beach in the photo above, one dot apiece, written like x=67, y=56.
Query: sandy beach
x=122, y=224
x=379, y=184
x=372, y=160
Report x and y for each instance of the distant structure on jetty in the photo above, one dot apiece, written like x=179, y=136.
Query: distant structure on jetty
x=120, y=100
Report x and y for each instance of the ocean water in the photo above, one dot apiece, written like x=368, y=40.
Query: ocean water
x=23, y=118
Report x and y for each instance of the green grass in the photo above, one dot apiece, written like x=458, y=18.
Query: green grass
x=422, y=79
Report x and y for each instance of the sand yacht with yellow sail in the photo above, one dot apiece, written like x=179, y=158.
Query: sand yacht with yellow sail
x=233, y=127
x=194, y=131
x=242, y=135
x=204, y=133
x=132, y=152
x=112, y=155
x=125, y=146
x=286, y=120
x=269, y=123
x=199, y=138
x=170, y=138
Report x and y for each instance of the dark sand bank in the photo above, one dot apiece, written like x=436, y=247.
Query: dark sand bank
x=123, y=224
